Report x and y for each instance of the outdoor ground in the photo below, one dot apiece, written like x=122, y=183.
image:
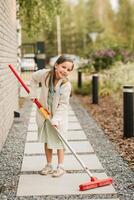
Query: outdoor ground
x=110, y=117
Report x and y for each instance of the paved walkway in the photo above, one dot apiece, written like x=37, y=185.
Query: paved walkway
x=31, y=183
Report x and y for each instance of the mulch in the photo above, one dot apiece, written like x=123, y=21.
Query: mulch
x=109, y=115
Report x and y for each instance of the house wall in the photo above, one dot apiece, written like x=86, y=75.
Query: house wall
x=8, y=54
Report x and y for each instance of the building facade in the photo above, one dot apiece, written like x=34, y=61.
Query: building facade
x=8, y=54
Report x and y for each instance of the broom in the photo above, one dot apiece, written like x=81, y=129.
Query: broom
x=93, y=182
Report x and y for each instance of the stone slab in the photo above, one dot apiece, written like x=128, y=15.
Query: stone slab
x=79, y=147
x=36, y=163
x=32, y=136
x=33, y=111
x=73, y=119
x=32, y=120
x=32, y=127
x=33, y=114
x=71, y=112
x=74, y=126
x=34, y=108
x=72, y=135
x=70, y=107
x=71, y=126
x=32, y=185
x=23, y=93
x=76, y=135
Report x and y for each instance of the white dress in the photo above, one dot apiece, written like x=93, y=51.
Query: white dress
x=48, y=134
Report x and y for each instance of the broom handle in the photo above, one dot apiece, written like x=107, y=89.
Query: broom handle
x=38, y=104
x=73, y=152
x=46, y=114
x=19, y=78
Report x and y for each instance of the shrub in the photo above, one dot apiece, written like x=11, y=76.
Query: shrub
x=84, y=90
x=102, y=59
x=124, y=55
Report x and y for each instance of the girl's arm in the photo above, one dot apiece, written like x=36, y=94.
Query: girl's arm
x=36, y=79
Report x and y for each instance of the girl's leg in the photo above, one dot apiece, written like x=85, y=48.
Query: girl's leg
x=48, y=153
x=60, y=168
x=60, y=154
x=48, y=169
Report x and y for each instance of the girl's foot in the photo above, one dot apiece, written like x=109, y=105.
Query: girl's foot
x=48, y=169
x=59, y=172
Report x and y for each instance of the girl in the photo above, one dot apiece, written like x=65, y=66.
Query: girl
x=54, y=96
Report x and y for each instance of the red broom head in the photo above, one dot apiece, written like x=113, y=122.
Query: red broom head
x=94, y=183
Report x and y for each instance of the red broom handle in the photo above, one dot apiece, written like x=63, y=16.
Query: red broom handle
x=19, y=79
x=45, y=112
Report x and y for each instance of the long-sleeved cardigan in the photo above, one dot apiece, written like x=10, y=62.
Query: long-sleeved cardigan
x=60, y=99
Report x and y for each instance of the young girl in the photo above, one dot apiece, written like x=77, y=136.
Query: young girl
x=54, y=96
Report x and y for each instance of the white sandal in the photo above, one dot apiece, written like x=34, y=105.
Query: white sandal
x=47, y=170
x=59, y=172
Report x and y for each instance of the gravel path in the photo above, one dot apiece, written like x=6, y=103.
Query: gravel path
x=12, y=154
x=112, y=162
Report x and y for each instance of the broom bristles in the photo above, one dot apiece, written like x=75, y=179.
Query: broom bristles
x=94, y=184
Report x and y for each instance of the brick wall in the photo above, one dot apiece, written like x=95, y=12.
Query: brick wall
x=8, y=54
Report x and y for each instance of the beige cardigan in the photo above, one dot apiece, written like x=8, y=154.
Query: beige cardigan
x=60, y=101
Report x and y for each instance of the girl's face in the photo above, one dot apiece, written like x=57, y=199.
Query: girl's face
x=63, y=70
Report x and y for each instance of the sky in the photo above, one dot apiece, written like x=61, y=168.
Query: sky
x=114, y=3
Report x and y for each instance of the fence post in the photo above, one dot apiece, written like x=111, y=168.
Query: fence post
x=128, y=111
x=79, y=78
x=95, y=89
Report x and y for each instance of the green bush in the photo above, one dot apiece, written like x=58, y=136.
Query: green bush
x=84, y=90
x=102, y=59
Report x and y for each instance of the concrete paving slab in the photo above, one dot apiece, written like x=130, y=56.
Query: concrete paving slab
x=76, y=135
x=31, y=185
x=71, y=112
x=33, y=111
x=32, y=127
x=72, y=119
x=32, y=136
x=32, y=120
x=34, y=108
x=72, y=135
x=33, y=114
x=23, y=93
x=36, y=163
x=70, y=107
x=74, y=126
x=79, y=147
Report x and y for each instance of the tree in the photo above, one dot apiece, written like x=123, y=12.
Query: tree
x=35, y=13
x=125, y=22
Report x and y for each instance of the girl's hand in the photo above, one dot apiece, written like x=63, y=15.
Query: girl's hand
x=55, y=126
x=32, y=99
